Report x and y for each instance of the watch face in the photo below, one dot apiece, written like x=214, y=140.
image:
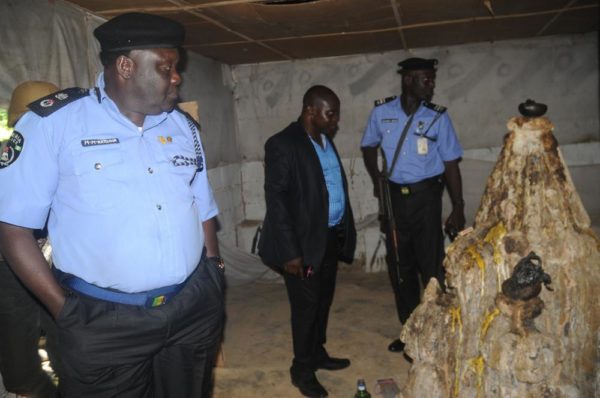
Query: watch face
x=218, y=261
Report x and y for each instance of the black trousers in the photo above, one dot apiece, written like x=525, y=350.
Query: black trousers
x=420, y=246
x=22, y=319
x=310, y=300
x=117, y=350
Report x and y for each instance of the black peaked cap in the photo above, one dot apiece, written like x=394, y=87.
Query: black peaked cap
x=417, y=64
x=137, y=30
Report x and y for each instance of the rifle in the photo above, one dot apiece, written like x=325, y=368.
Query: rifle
x=386, y=214
x=385, y=200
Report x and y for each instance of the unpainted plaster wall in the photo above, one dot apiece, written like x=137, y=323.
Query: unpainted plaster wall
x=481, y=84
x=204, y=83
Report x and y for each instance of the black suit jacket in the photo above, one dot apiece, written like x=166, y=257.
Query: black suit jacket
x=295, y=224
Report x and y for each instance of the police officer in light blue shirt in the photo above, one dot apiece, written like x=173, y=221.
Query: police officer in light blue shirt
x=421, y=154
x=119, y=174
x=430, y=141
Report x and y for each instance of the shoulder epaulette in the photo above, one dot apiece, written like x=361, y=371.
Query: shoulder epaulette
x=385, y=100
x=434, y=107
x=51, y=103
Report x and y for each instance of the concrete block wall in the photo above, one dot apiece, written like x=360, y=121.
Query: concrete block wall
x=364, y=205
x=227, y=189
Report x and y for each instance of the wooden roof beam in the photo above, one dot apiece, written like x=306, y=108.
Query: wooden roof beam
x=396, y=8
x=186, y=7
x=247, y=39
x=558, y=14
x=413, y=26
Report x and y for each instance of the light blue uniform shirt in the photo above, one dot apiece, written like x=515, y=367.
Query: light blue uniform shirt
x=333, y=180
x=122, y=211
x=384, y=128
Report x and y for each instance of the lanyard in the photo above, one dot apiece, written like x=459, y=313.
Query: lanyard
x=400, y=142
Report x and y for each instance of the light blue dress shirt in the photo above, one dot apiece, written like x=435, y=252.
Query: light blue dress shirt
x=333, y=180
x=384, y=128
x=123, y=210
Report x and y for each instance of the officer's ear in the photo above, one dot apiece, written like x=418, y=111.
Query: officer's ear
x=125, y=66
x=407, y=78
x=309, y=110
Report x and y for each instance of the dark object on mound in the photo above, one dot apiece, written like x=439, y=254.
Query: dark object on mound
x=530, y=108
x=526, y=280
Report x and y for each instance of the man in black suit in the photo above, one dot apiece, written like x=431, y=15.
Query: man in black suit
x=308, y=227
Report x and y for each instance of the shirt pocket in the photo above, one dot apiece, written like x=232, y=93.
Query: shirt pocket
x=426, y=126
x=390, y=136
x=181, y=164
x=101, y=179
x=429, y=160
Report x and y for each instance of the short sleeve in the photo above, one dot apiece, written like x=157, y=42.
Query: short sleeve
x=449, y=147
x=28, y=173
x=372, y=134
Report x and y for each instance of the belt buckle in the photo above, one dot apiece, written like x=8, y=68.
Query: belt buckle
x=405, y=190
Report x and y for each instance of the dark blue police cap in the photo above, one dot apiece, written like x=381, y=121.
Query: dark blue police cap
x=136, y=30
x=417, y=64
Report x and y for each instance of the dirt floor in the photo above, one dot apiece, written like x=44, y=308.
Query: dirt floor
x=258, y=345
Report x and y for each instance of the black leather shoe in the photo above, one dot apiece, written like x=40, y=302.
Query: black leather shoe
x=309, y=386
x=396, y=346
x=331, y=363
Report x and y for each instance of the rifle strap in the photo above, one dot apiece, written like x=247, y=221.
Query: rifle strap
x=435, y=119
x=400, y=142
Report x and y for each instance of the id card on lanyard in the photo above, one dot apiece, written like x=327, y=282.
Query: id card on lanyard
x=422, y=147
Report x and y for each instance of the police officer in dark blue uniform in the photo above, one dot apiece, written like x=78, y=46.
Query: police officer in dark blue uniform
x=119, y=173
x=421, y=154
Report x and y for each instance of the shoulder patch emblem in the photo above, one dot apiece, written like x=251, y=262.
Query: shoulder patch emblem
x=385, y=100
x=46, y=103
x=434, y=107
x=12, y=150
x=51, y=103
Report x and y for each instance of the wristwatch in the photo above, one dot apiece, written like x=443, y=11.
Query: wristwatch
x=218, y=261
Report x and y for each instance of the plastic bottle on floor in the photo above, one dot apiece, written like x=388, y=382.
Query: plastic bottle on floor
x=361, y=391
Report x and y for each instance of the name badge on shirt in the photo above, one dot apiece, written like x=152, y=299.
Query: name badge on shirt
x=422, y=146
x=99, y=141
x=389, y=120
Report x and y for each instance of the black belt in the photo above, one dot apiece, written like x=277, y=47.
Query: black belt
x=411, y=189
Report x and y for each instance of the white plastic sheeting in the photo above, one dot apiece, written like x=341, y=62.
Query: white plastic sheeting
x=242, y=267
x=48, y=41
